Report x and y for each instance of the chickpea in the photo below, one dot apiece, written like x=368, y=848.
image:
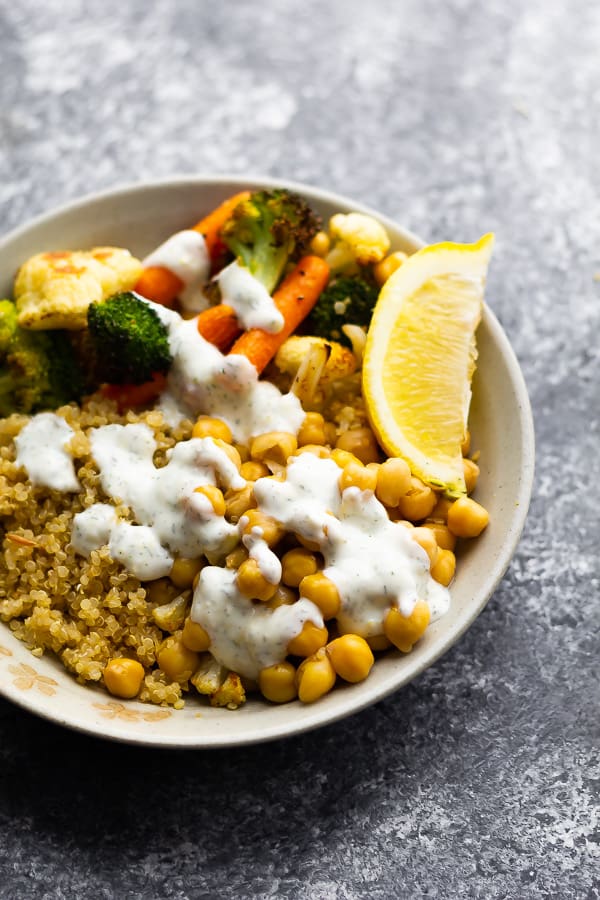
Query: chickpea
x=160, y=591
x=444, y=568
x=123, y=677
x=361, y=442
x=358, y=476
x=471, y=473
x=229, y=451
x=194, y=636
x=312, y=430
x=243, y=451
x=315, y=449
x=315, y=677
x=308, y=640
x=274, y=446
x=236, y=557
x=466, y=444
x=330, y=433
x=237, y=503
x=466, y=518
x=278, y=682
x=425, y=538
x=320, y=244
x=388, y=265
x=184, y=570
x=393, y=481
x=439, y=513
x=214, y=496
x=253, y=470
x=283, y=596
x=404, y=631
x=444, y=537
x=252, y=583
x=308, y=545
x=351, y=657
x=343, y=457
x=418, y=502
x=271, y=529
x=176, y=660
x=209, y=426
x=323, y=593
x=296, y=564
x=378, y=642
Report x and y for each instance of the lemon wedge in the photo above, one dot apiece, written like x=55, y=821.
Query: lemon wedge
x=420, y=357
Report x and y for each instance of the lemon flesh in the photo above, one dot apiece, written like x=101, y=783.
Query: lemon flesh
x=420, y=357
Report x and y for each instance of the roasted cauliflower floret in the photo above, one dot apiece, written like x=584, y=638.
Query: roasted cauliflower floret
x=339, y=361
x=231, y=693
x=54, y=290
x=357, y=240
x=209, y=676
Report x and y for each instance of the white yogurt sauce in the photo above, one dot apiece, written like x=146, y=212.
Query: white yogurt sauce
x=41, y=451
x=203, y=380
x=268, y=562
x=245, y=636
x=373, y=562
x=138, y=548
x=92, y=528
x=186, y=256
x=250, y=299
x=172, y=518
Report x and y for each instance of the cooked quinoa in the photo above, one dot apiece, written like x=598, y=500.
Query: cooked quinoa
x=86, y=611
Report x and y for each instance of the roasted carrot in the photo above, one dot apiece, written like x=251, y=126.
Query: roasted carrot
x=127, y=396
x=159, y=284
x=163, y=286
x=210, y=226
x=294, y=298
x=219, y=325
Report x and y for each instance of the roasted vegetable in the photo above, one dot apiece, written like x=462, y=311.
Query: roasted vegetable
x=357, y=240
x=328, y=357
x=54, y=290
x=346, y=300
x=38, y=370
x=129, y=342
x=268, y=230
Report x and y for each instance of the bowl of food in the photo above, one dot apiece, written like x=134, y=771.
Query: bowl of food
x=258, y=472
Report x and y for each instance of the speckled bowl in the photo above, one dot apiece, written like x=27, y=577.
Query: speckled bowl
x=140, y=217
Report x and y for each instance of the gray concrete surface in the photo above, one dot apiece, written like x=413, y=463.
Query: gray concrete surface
x=481, y=778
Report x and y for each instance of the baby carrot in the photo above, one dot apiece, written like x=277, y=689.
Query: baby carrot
x=210, y=226
x=159, y=284
x=219, y=325
x=127, y=396
x=163, y=286
x=294, y=298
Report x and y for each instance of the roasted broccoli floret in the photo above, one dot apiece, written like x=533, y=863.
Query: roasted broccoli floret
x=269, y=229
x=346, y=300
x=8, y=324
x=129, y=342
x=38, y=370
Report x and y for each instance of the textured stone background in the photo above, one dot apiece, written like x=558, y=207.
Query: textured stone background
x=480, y=779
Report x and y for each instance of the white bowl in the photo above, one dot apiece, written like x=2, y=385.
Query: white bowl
x=140, y=217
